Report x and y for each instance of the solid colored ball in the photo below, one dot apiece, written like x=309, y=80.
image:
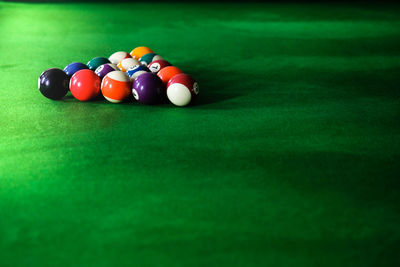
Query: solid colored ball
x=85, y=85
x=146, y=59
x=116, y=86
x=140, y=51
x=182, y=89
x=117, y=57
x=128, y=63
x=156, y=65
x=148, y=89
x=134, y=72
x=167, y=73
x=72, y=68
x=94, y=63
x=53, y=83
x=104, y=69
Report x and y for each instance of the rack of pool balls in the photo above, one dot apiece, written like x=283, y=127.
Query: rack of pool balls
x=142, y=73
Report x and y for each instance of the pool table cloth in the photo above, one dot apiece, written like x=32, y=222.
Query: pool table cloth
x=290, y=157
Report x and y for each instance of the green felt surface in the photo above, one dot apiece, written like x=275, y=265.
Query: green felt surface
x=289, y=158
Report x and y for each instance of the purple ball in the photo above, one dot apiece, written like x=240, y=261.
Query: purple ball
x=104, y=69
x=148, y=89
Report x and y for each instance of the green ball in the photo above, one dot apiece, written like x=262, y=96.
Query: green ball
x=94, y=63
x=146, y=59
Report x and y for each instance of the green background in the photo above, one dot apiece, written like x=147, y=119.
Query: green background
x=289, y=158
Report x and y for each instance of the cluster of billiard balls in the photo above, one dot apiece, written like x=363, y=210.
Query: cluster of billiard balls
x=142, y=73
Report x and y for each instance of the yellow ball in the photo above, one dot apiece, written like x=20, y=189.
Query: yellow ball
x=140, y=51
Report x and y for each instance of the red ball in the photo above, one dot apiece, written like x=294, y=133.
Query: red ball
x=85, y=85
x=156, y=65
x=182, y=89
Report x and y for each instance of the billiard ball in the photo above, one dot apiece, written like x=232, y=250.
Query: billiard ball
x=70, y=69
x=140, y=51
x=53, y=83
x=156, y=65
x=104, y=69
x=182, y=89
x=116, y=86
x=117, y=57
x=134, y=72
x=146, y=59
x=148, y=89
x=128, y=63
x=94, y=63
x=167, y=73
x=85, y=85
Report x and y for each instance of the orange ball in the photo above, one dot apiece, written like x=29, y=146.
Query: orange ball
x=140, y=51
x=84, y=85
x=116, y=86
x=167, y=73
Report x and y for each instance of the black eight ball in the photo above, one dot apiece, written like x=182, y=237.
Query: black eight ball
x=53, y=83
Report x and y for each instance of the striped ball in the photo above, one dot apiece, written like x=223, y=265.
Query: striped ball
x=116, y=86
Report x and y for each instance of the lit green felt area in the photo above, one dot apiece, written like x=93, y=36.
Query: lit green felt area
x=289, y=158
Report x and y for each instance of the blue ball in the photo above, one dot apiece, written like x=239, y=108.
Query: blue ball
x=134, y=72
x=70, y=69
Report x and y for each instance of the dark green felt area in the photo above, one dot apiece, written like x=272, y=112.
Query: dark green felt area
x=289, y=158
